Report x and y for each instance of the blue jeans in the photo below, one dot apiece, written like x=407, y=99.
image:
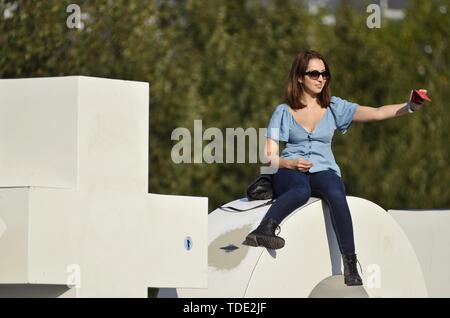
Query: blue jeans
x=293, y=188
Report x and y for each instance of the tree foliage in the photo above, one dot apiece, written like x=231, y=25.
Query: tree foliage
x=226, y=62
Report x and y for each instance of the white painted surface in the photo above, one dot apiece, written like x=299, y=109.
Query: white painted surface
x=173, y=218
x=14, y=235
x=38, y=132
x=113, y=135
x=309, y=255
x=76, y=151
x=429, y=233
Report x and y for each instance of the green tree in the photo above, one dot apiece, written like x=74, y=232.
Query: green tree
x=226, y=62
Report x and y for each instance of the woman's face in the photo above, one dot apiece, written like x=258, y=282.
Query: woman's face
x=310, y=85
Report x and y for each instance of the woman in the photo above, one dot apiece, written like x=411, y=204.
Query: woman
x=307, y=165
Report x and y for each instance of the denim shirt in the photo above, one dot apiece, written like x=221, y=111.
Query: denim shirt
x=313, y=146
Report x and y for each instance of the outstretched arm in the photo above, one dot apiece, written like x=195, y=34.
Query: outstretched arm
x=366, y=113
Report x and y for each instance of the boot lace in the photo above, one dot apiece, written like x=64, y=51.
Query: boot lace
x=353, y=268
x=360, y=267
x=277, y=230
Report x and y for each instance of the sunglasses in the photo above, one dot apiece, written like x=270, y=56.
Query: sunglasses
x=316, y=74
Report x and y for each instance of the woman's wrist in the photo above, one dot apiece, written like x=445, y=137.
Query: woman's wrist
x=409, y=107
x=285, y=163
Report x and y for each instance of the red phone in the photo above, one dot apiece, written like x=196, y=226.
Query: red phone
x=418, y=97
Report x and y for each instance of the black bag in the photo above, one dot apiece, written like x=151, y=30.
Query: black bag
x=260, y=188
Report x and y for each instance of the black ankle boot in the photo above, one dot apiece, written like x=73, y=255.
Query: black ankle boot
x=351, y=276
x=264, y=235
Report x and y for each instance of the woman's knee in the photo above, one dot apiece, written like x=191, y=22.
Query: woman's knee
x=301, y=194
x=336, y=194
x=334, y=191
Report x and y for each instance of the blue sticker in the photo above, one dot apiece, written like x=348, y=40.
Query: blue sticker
x=188, y=243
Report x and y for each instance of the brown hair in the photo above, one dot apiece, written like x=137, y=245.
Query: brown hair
x=294, y=90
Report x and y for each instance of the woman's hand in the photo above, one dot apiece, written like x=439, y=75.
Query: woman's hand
x=417, y=106
x=300, y=164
